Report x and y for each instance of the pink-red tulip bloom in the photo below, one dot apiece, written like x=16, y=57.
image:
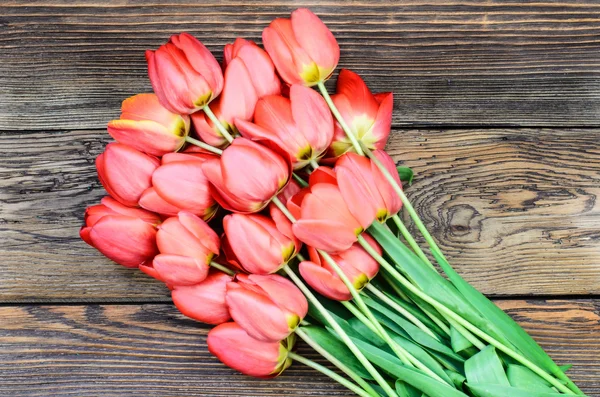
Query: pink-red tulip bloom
x=249, y=75
x=301, y=125
x=365, y=189
x=205, y=301
x=123, y=234
x=259, y=247
x=238, y=350
x=184, y=74
x=302, y=48
x=125, y=172
x=267, y=307
x=187, y=245
x=368, y=116
x=247, y=176
x=355, y=263
x=147, y=126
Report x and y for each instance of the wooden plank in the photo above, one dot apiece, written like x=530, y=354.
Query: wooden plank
x=67, y=64
x=515, y=210
x=151, y=350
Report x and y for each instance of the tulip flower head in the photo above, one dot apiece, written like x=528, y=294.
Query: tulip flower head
x=123, y=234
x=302, y=48
x=238, y=350
x=268, y=308
x=259, y=247
x=247, y=175
x=184, y=74
x=301, y=125
x=355, y=262
x=147, y=126
x=125, y=172
x=368, y=116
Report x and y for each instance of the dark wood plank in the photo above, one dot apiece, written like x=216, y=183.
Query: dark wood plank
x=67, y=64
x=151, y=350
x=515, y=210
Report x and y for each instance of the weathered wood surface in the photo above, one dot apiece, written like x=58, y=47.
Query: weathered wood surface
x=515, y=210
x=151, y=350
x=67, y=64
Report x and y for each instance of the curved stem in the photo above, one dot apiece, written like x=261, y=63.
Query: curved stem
x=408, y=315
x=340, y=119
x=332, y=359
x=411, y=241
x=216, y=122
x=222, y=268
x=203, y=145
x=326, y=371
x=340, y=332
x=466, y=324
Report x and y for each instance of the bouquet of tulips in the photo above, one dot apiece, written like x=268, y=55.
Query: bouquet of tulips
x=270, y=210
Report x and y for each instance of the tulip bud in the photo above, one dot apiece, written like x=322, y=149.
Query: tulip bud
x=249, y=75
x=355, y=263
x=268, y=308
x=184, y=74
x=147, y=126
x=124, y=235
x=151, y=201
x=302, y=48
x=301, y=125
x=368, y=116
x=258, y=245
x=238, y=350
x=247, y=176
x=181, y=182
x=365, y=189
x=187, y=245
x=125, y=172
x=205, y=301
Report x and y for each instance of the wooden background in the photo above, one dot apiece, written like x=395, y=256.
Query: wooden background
x=497, y=109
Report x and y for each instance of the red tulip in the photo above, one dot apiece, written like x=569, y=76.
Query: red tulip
x=301, y=125
x=238, y=350
x=258, y=245
x=181, y=182
x=355, y=263
x=247, y=176
x=365, y=190
x=205, y=301
x=184, y=74
x=124, y=235
x=325, y=222
x=151, y=201
x=147, y=126
x=249, y=75
x=302, y=48
x=268, y=308
x=368, y=116
x=125, y=172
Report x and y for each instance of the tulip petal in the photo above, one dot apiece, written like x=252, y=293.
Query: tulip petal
x=261, y=69
x=379, y=133
x=203, y=61
x=328, y=235
x=201, y=230
x=146, y=136
x=322, y=281
x=151, y=201
x=352, y=87
x=121, y=209
x=180, y=270
x=204, y=302
x=313, y=117
x=284, y=50
x=283, y=292
x=393, y=203
x=316, y=39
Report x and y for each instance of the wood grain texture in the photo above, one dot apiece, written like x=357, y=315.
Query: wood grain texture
x=151, y=350
x=515, y=210
x=68, y=64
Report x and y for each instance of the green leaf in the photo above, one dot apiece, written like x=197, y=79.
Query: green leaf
x=458, y=341
x=565, y=367
x=483, y=390
x=367, y=335
x=331, y=306
x=337, y=349
x=524, y=378
x=406, y=174
x=458, y=379
x=406, y=390
x=412, y=376
x=485, y=367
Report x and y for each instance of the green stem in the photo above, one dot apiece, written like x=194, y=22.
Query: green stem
x=340, y=332
x=340, y=119
x=326, y=371
x=203, y=145
x=411, y=241
x=216, y=122
x=447, y=312
x=301, y=181
x=408, y=315
x=314, y=164
x=332, y=359
x=283, y=209
x=222, y=268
